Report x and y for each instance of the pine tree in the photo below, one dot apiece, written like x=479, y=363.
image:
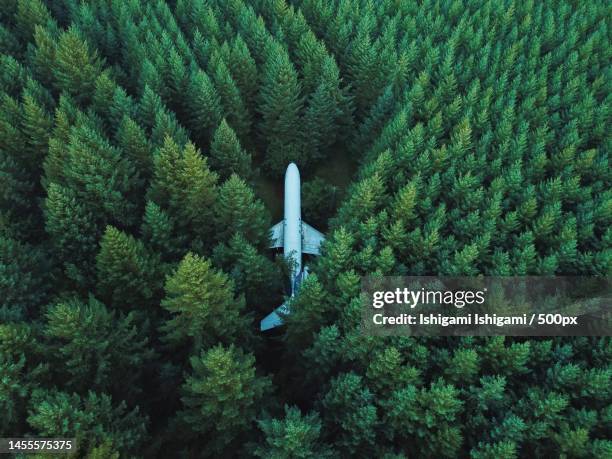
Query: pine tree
x=252, y=272
x=92, y=419
x=322, y=117
x=29, y=14
x=244, y=71
x=205, y=110
x=101, y=178
x=319, y=201
x=203, y=306
x=149, y=105
x=294, y=435
x=352, y=414
x=280, y=108
x=310, y=310
x=128, y=275
x=75, y=66
x=158, y=231
x=25, y=279
x=234, y=108
x=226, y=154
x=222, y=395
x=239, y=211
x=183, y=184
x=14, y=392
x=36, y=125
x=133, y=141
x=43, y=57
x=74, y=232
x=93, y=345
x=429, y=413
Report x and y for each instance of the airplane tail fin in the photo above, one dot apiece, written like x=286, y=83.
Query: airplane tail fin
x=274, y=319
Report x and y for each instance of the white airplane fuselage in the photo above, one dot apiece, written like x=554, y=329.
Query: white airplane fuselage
x=292, y=231
x=295, y=237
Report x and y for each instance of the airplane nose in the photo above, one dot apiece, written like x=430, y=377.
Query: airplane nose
x=292, y=170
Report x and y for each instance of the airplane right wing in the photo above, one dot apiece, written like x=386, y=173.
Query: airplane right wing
x=311, y=239
x=277, y=235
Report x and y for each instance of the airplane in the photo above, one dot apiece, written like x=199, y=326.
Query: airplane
x=296, y=238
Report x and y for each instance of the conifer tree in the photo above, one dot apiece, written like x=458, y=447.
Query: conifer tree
x=234, y=108
x=322, y=117
x=36, y=126
x=128, y=275
x=280, y=107
x=183, y=184
x=349, y=406
x=252, y=272
x=226, y=154
x=75, y=66
x=25, y=280
x=133, y=141
x=309, y=311
x=13, y=393
x=101, y=178
x=205, y=110
x=43, y=57
x=244, y=71
x=74, y=232
x=222, y=395
x=239, y=211
x=319, y=201
x=158, y=230
x=29, y=14
x=92, y=419
x=203, y=305
x=409, y=411
x=94, y=345
x=294, y=435
x=149, y=105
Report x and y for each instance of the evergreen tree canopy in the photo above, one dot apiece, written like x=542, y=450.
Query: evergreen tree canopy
x=142, y=147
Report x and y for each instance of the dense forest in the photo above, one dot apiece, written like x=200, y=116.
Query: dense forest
x=134, y=259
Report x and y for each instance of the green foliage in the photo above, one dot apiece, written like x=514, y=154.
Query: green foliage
x=351, y=414
x=239, y=211
x=92, y=419
x=203, y=306
x=280, y=107
x=319, y=201
x=93, y=345
x=308, y=312
x=29, y=14
x=227, y=156
x=24, y=279
x=204, y=106
x=254, y=274
x=133, y=140
x=222, y=395
x=127, y=273
x=429, y=414
x=294, y=436
x=74, y=231
x=183, y=184
x=75, y=67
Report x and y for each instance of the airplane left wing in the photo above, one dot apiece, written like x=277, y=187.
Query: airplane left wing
x=277, y=235
x=275, y=318
x=311, y=239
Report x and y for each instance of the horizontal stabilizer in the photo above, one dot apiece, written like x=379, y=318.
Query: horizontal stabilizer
x=277, y=235
x=274, y=319
x=311, y=239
